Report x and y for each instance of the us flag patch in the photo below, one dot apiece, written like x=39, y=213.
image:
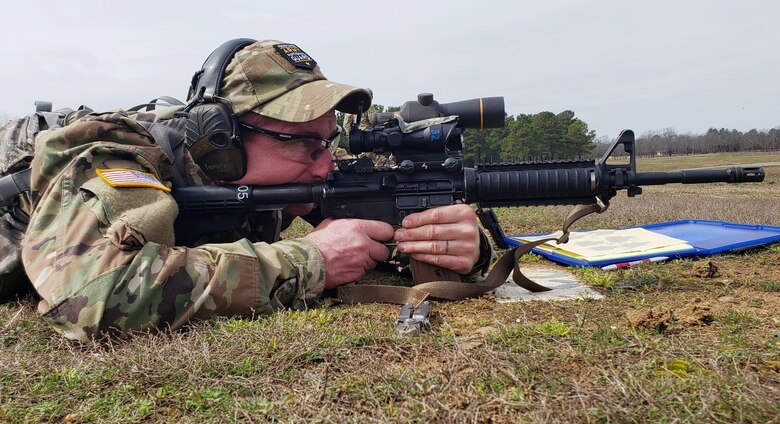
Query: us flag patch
x=120, y=177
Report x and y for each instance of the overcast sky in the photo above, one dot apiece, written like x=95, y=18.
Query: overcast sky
x=617, y=64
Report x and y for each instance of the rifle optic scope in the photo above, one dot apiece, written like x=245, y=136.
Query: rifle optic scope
x=479, y=113
x=386, y=136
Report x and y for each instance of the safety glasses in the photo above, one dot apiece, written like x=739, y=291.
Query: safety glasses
x=301, y=147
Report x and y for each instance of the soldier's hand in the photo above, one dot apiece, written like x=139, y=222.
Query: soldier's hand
x=350, y=247
x=446, y=236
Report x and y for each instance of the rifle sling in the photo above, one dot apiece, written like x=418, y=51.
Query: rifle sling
x=456, y=290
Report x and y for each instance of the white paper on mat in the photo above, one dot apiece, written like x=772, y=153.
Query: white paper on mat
x=603, y=244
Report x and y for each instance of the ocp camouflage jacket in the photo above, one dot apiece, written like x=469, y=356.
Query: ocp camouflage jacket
x=103, y=258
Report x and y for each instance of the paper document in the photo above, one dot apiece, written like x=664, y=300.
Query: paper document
x=607, y=244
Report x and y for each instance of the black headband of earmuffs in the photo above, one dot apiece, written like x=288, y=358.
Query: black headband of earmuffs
x=211, y=132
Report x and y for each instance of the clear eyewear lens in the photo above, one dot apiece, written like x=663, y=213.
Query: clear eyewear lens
x=300, y=148
x=331, y=144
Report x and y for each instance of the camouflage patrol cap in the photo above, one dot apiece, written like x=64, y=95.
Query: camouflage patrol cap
x=281, y=81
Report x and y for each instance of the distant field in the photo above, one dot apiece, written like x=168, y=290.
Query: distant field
x=666, y=163
x=694, y=340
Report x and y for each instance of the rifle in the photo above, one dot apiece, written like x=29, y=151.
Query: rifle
x=427, y=140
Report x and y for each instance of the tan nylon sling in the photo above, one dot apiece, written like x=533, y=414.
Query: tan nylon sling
x=426, y=275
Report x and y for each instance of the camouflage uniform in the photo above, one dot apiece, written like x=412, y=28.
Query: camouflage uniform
x=365, y=120
x=16, y=146
x=103, y=258
x=17, y=138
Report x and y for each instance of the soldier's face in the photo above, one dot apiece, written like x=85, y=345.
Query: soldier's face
x=270, y=161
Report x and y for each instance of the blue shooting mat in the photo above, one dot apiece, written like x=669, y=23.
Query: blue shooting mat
x=675, y=239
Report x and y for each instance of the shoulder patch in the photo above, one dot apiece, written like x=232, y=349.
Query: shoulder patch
x=121, y=177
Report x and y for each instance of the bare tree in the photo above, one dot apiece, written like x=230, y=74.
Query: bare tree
x=4, y=117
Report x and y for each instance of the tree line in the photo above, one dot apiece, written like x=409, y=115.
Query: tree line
x=539, y=136
x=668, y=142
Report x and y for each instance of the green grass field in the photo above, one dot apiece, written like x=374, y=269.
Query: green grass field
x=695, y=340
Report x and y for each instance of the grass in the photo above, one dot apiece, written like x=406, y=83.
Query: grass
x=661, y=163
x=574, y=361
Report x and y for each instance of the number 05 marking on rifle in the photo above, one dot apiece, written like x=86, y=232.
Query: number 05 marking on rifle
x=242, y=192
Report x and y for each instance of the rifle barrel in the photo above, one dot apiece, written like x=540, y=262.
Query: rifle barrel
x=696, y=176
x=580, y=185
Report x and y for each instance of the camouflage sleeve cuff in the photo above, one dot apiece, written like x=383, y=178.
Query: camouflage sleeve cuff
x=310, y=267
x=486, y=256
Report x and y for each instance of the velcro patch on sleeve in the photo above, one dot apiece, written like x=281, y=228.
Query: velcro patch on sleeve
x=121, y=177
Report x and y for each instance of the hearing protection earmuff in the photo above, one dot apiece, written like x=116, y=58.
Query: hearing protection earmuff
x=212, y=132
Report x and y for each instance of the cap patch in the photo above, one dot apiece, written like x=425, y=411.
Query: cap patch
x=295, y=56
x=120, y=177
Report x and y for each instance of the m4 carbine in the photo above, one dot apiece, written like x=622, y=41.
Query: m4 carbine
x=427, y=140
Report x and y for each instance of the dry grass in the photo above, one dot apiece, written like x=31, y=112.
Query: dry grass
x=579, y=361
x=661, y=163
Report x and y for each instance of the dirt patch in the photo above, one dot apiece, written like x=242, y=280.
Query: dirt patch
x=694, y=314
x=706, y=270
x=671, y=320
